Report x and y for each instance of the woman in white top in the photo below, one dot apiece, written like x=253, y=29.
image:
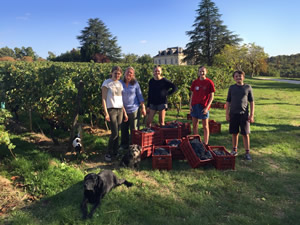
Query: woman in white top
x=113, y=109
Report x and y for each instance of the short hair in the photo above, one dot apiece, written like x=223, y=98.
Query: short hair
x=202, y=67
x=239, y=72
x=157, y=66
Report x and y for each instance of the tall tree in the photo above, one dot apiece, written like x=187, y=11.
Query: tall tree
x=256, y=59
x=145, y=59
x=6, y=51
x=96, y=38
x=209, y=35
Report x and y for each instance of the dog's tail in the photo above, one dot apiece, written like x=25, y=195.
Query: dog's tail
x=127, y=183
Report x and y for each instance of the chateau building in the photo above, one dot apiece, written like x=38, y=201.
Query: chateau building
x=173, y=56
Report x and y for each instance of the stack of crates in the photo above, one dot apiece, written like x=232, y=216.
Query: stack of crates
x=146, y=141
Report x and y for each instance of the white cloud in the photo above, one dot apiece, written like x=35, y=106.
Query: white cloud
x=25, y=17
x=143, y=41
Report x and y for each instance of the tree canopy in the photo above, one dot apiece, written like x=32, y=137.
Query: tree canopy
x=209, y=35
x=96, y=38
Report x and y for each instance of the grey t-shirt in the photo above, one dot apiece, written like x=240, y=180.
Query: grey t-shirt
x=238, y=97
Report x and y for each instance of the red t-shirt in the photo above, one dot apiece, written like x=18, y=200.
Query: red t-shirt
x=201, y=91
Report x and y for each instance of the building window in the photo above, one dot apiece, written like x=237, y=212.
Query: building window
x=176, y=61
x=166, y=62
x=159, y=61
x=171, y=60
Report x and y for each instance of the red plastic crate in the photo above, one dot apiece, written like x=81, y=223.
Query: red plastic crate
x=222, y=162
x=176, y=151
x=146, y=151
x=146, y=139
x=186, y=129
x=218, y=105
x=189, y=153
x=162, y=162
x=169, y=133
x=188, y=117
x=214, y=127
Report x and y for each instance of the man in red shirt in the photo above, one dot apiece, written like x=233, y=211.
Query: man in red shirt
x=201, y=98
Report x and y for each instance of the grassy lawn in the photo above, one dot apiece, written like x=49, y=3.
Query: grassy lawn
x=264, y=191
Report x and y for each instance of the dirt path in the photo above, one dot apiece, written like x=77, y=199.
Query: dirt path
x=280, y=80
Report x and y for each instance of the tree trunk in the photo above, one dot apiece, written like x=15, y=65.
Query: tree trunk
x=76, y=114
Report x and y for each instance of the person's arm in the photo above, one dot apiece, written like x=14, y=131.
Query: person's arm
x=191, y=108
x=227, y=111
x=172, y=87
x=104, y=96
x=125, y=114
x=140, y=99
x=211, y=98
x=251, y=116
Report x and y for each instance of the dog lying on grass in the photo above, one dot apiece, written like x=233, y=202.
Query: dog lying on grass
x=132, y=158
x=95, y=188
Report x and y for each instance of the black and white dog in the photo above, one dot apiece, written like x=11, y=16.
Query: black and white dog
x=132, y=158
x=77, y=144
x=95, y=188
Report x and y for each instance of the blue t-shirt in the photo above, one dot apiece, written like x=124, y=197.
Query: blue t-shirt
x=132, y=96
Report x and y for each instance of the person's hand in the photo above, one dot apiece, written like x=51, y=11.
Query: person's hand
x=191, y=108
x=251, y=119
x=148, y=110
x=107, y=118
x=205, y=111
x=227, y=117
x=144, y=111
x=125, y=118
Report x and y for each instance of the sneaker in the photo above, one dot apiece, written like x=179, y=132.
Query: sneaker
x=107, y=158
x=234, y=152
x=248, y=157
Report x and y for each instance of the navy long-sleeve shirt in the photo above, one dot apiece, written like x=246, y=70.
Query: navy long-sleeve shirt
x=159, y=90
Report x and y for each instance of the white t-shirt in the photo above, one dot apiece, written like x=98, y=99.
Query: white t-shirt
x=114, y=93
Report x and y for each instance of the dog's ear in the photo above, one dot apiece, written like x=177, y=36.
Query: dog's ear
x=99, y=183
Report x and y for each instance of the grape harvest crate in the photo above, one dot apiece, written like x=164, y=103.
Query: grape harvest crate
x=218, y=105
x=176, y=151
x=188, y=117
x=146, y=151
x=214, y=127
x=224, y=160
x=162, y=162
x=185, y=129
x=169, y=133
x=189, y=153
x=144, y=139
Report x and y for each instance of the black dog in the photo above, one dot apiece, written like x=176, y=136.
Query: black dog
x=95, y=188
x=132, y=158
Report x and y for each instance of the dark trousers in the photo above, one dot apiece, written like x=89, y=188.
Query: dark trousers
x=116, y=117
x=131, y=124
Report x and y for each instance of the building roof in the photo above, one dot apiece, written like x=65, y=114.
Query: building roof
x=170, y=51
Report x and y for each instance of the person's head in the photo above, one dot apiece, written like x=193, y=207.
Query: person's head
x=129, y=75
x=239, y=76
x=157, y=72
x=202, y=72
x=116, y=73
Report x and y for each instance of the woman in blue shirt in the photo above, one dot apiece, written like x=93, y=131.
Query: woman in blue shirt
x=132, y=100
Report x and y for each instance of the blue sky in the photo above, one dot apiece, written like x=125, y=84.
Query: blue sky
x=145, y=26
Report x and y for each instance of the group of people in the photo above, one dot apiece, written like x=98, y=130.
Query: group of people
x=123, y=103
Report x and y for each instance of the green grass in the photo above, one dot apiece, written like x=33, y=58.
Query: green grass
x=265, y=191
